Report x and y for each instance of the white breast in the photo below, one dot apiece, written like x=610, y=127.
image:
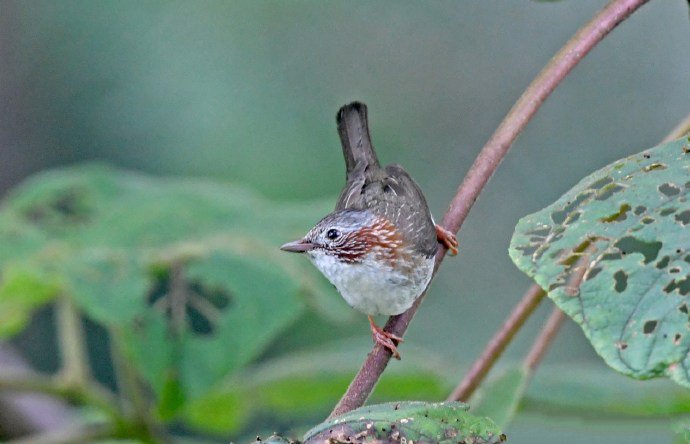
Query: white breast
x=371, y=288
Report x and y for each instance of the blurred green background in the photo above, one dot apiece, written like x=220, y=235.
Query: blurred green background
x=246, y=92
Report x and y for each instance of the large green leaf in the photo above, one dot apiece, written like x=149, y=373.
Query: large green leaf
x=21, y=291
x=186, y=273
x=632, y=221
x=407, y=421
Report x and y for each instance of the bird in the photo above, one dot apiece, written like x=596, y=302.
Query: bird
x=378, y=246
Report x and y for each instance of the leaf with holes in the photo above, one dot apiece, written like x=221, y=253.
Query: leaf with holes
x=180, y=270
x=409, y=421
x=630, y=222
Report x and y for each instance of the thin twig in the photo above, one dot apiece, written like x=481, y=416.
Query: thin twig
x=85, y=393
x=142, y=421
x=128, y=383
x=682, y=129
x=493, y=350
x=178, y=296
x=23, y=382
x=75, y=365
x=544, y=340
x=553, y=324
x=89, y=433
x=483, y=168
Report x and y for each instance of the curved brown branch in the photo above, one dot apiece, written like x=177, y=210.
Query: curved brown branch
x=483, y=168
x=553, y=324
x=529, y=302
x=544, y=340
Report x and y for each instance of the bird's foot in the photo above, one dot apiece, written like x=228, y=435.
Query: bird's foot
x=448, y=239
x=386, y=339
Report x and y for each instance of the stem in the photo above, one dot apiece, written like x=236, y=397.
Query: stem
x=127, y=381
x=21, y=382
x=553, y=324
x=74, y=379
x=682, y=129
x=90, y=394
x=178, y=299
x=544, y=340
x=483, y=168
x=91, y=433
x=75, y=367
x=493, y=350
x=141, y=422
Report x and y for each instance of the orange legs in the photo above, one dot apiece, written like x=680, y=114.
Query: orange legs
x=385, y=338
x=448, y=239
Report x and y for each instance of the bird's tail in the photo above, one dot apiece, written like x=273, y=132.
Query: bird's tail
x=353, y=129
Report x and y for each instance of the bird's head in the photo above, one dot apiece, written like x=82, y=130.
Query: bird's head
x=349, y=235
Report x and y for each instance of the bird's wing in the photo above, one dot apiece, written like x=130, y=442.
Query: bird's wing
x=401, y=201
x=393, y=194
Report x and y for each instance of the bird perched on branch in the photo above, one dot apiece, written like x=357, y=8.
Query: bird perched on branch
x=378, y=247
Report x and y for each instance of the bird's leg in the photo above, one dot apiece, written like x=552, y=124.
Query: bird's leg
x=447, y=238
x=385, y=338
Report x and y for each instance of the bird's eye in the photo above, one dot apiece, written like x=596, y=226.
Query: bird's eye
x=333, y=234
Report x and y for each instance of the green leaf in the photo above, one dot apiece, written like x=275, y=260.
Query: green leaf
x=22, y=290
x=109, y=285
x=413, y=421
x=268, y=302
x=500, y=397
x=185, y=272
x=633, y=219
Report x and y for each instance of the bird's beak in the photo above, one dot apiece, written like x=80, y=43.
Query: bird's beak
x=298, y=246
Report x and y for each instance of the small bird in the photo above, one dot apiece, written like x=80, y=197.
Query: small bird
x=378, y=247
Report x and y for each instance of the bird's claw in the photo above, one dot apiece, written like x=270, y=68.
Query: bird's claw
x=448, y=239
x=385, y=339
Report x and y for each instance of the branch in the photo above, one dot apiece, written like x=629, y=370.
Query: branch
x=128, y=384
x=483, y=168
x=90, y=433
x=21, y=382
x=75, y=366
x=544, y=340
x=529, y=302
x=88, y=394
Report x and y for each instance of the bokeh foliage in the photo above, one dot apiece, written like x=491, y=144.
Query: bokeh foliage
x=180, y=272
